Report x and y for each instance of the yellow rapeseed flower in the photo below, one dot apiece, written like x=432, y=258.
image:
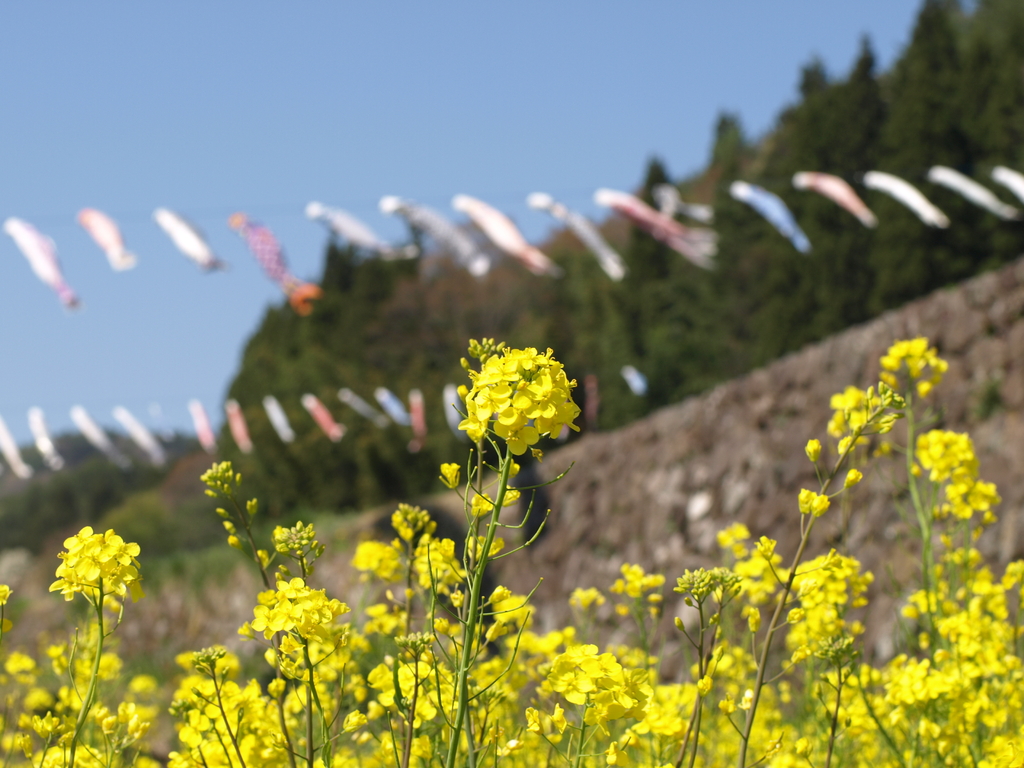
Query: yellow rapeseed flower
x=95, y=561
x=296, y=607
x=917, y=356
x=521, y=395
x=450, y=475
x=813, y=503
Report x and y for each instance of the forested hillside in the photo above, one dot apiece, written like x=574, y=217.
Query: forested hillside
x=955, y=97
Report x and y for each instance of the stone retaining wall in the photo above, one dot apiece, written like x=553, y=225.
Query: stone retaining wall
x=657, y=492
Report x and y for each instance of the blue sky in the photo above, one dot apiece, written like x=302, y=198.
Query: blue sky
x=208, y=108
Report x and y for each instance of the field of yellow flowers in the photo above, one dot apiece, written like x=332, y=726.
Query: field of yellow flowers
x=443, y=671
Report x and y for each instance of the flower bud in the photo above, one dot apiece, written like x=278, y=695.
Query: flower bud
x=704, y=686
x=813, y=450
x=754, y=620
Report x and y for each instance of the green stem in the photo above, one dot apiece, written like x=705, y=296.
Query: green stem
x=774, y=625
x=924, y=522
x=90, y=695
x=472, y=617
x=224, y=715
x=407, y=750
x=314, y=700
x=835, y=716
x=579, y=752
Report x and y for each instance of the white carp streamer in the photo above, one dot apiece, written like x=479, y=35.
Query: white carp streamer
x=97, y=437
x=348, y=227
x=41, y=435
x=1011, y=179
x=41, y=253
x=105, y=232
x=236, y=423
x=909, y=195
x=635, y=380
x=278, y=419
x=9, y=448
x=671, y=204
x=443, y=232
x=392, y=406
x=188, y=239
x=696, y=244
x=201, y=423
x=363, y=408
x=418, y=417
x=972, y=190
x=838, y=191
x=454, y=408
x=503, y=233
x=611, y=262
x=141, y=436
x=323, y=417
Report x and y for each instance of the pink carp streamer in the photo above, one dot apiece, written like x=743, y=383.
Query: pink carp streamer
x=201, y=422
x=838, y=191
x=505, y=235
x=105, y=232
x=696, y=244
x=418, y=417
x=323, y=417
x=41, y=435
x=270, y=255
x=236, y=423
x=42, y=257
x=906, y=193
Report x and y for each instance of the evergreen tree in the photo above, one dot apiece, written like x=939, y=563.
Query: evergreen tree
x=955, y=97
x=923, y=129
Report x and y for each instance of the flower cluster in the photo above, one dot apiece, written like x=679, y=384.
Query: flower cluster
x=444, y=668
x=923, y=364
x=97, y=565
x=597, y=680
x=295, y=607
x=521, y=395
x=948, y=457
x=860, y=412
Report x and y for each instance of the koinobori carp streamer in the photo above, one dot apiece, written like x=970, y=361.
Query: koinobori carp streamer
x=107, y=234
x=906, y=193
x=268, y=252
x=443, y=232
x=505, y=235
x=41, y=253
x=839, y=192
x=697, y=244
x=609, y=259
